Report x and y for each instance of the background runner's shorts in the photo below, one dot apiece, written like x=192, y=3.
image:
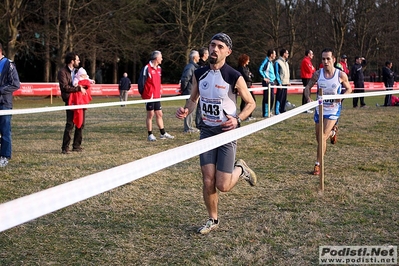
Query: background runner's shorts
x=330, y=116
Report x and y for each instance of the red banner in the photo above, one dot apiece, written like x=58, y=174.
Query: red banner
x=52, y=89
x=47, y=89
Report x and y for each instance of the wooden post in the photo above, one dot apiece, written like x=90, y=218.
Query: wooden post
x=51, y=96
x=321, y=138
x=268, y=100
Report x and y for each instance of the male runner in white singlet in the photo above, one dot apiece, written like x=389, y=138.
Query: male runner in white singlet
x=215, y=86
x=329, y=79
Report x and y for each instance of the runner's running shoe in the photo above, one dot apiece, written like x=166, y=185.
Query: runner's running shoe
x=210, y=225
x=247, y=173
x=316, y=170
x=334, y=135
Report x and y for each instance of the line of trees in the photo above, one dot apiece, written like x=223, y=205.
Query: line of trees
x=112, y=37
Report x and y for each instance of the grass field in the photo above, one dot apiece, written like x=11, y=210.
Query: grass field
x=153, y=221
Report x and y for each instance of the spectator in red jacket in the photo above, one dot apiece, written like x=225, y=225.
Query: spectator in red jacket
x=307, y=70
x=344, y=64
x=80, y=79
x=151, y=79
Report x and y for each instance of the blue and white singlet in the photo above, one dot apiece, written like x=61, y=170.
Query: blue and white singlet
x=217, y=97
x=330, y=86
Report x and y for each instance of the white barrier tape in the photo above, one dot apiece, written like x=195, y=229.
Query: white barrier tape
x=86, y=106
x=287, y=87
x=302, y=87
x=97, y=105
x=345, y=96
x=30, y=207
x=357, y=95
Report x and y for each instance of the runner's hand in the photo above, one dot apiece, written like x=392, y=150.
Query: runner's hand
x=181, y=113
x=230, y=124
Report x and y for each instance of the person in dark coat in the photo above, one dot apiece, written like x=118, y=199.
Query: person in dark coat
x=65, y=78
x=9, y=82
x=388, y=77
x=357, y=76
x=124, y=87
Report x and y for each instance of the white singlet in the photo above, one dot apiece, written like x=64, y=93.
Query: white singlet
x=216, y=89
x=330, y=86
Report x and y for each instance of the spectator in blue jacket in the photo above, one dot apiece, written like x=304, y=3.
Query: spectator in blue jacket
x=266, y=70
x=9, y=82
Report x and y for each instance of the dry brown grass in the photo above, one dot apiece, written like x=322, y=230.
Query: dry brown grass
x=152, y=221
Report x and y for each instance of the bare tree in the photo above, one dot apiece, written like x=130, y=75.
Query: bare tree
x=363, y=34
x=341, y=16
x=119, y=35
x=267, y=21
x=14, y=15
x=188, y=24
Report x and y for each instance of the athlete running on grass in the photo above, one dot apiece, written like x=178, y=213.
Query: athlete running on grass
x=215, y=87
x=329, y=79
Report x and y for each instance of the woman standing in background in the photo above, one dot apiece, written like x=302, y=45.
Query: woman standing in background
x=243, y=62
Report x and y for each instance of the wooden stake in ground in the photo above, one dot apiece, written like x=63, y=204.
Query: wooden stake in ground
x=321, y=138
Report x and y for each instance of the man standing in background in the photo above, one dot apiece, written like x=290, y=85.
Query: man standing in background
x=357, y=76
x=283, y=79
x=203, y=61
x=204, y=54
x=65, y=77
x=307, y=70
x=150, y=81
x=9, y=82
x=124, y=87
x=388, y=77
x=186, y=86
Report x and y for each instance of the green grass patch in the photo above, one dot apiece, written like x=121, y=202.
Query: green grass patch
x=153, y=221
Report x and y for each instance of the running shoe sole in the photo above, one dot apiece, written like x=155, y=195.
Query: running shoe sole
x=247, y=172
